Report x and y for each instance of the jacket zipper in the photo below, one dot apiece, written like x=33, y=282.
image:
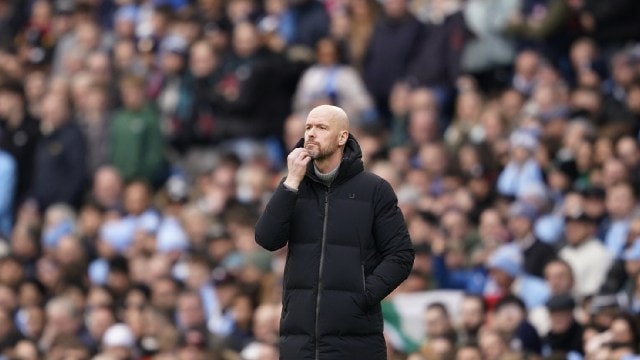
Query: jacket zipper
x=322, y=246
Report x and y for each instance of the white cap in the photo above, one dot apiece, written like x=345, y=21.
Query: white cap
x=118, y=335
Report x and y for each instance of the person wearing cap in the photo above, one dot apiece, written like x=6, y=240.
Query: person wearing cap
x=119, y=342
x=522, y=170
x=536, y=253
x=506, y=277
x=588, y=257
x=565, y=334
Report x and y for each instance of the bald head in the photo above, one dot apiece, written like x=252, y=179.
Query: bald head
x=336, y=116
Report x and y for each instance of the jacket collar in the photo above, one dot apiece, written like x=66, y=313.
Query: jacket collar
x=350, y=166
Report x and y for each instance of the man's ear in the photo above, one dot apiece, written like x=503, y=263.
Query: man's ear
x=344, y=135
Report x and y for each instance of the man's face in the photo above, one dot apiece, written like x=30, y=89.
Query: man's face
x=559, y=278
x=436, y=323
x=560, y=321
x=471, y=314
x=577, y=231
x=321, y=137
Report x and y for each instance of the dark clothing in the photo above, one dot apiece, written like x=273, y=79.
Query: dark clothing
x=348, y=249
x=537, y=256
x=438, y=60
x=616, y=21
x=250, y=114
x=310, y=23
x=391, y=49
x=528, y=338
x=566, y=342
x=60, y=167
x=21, y=143
x=616, y=278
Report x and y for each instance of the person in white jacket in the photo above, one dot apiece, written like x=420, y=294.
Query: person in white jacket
x=588, y=257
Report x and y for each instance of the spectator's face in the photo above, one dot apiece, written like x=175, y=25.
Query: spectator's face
x=620, y=201
x=99, y=321
x=326, y=53
x=621, y=332
x=132, y=96
x=54, y=110
x=560, y=321
x=436, y=323
x=559, y=278
x=577, y=231
x=492, y=230
x=492, y=346
x=172, y=63
x=527, y=64
x=136, y=199
x=519, y=226
x=25, y=350
x=245, y=40
x=395, y=8
x=190, y=312
x=469, y=353
x=203, y=60
x=107, y=187
x=627, y=151
x=471, y=314
x=35, y=321
x=9, y=103
x=164, y=295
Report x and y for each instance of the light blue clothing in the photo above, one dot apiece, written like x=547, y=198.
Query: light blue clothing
x=7, y=191
x=515, y=178
x=98, y=271
x=52, y=235
x=549, y=228
x=171, y=236
x=616, y=237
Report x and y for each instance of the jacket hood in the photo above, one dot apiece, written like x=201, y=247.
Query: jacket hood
x=350, y=165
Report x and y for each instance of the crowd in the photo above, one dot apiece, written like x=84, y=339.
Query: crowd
x=141, y=139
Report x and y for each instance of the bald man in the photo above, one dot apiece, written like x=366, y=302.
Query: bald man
x=348, y=245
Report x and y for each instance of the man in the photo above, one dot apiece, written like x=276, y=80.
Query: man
x=60, y=158
x=535, y=252
x=19, y=136
x=588, y=257
x=348, y=245
x=565, y=335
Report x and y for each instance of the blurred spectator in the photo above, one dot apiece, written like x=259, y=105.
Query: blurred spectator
x=536, y=253
x=94, y=119
x=565, y=335
x=393, y=43
x=19, y=136
x=137, y=145
x=588, y=257
x=60, y=163
x=329, y=81
x=8, y=181
x=489, y=53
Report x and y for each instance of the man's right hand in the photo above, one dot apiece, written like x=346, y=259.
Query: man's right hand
x=297, y=166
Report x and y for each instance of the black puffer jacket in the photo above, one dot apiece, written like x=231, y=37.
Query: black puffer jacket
x=348, y=249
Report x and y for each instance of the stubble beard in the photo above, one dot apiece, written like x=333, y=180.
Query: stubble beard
x=318, y=153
